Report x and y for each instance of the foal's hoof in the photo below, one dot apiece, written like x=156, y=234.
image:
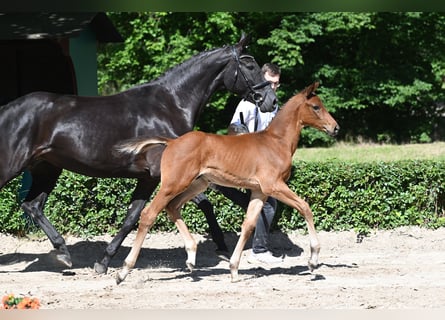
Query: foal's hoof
x=312, y=265
x=65, y=259
x=120, y=276
x=234, y=276
x=100, y=268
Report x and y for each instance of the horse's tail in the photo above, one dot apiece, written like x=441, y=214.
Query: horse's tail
x=139, y=145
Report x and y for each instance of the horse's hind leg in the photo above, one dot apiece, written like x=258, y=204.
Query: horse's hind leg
x=141, y=194
x=44, y=178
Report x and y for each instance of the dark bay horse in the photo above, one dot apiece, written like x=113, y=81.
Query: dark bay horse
x=259, y=161
x=46, y=132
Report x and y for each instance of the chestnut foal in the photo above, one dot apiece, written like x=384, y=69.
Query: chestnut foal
x=259, y=161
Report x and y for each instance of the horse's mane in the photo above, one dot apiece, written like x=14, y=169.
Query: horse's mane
x=183, y=66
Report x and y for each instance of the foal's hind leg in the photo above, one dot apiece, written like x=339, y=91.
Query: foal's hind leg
x=189, y=242
x=148, y=218
x=174, y=211
x=44, y=178
x=141, y=194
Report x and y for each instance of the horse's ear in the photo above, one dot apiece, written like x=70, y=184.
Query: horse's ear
x=309, y=91
x=244, y=41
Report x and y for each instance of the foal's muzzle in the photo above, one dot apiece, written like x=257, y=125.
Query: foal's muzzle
x=332, y=131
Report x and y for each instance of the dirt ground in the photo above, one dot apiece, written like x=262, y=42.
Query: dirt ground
x=397, y=269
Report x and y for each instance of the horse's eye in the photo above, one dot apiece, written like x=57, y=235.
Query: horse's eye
x=316, y=108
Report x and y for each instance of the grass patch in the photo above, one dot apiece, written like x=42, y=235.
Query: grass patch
x=372, y=152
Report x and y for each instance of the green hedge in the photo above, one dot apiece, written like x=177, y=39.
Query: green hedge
x=364, y=196
x=342, y=196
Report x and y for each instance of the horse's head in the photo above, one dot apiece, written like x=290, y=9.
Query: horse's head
x=244, y=77
x=314, y=113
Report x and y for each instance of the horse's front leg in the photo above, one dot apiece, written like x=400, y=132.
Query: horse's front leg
x=44, y=178
x=34, y=209
x=141, y=193
x=249, y=223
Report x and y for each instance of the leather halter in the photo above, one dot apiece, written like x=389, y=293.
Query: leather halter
x=256, y=96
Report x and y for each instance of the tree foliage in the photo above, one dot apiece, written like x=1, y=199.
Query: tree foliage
x=382, y=73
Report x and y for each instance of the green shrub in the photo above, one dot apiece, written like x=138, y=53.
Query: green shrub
x=369, y=195
x=12, y=219
x=343, y=196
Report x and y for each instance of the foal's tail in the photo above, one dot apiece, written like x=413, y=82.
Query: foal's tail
x=139, y=145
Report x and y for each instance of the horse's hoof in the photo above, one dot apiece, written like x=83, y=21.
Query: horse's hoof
x=100, y=268
x=65, y=259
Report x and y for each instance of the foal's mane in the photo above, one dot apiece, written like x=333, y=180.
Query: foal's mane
x=293, y=102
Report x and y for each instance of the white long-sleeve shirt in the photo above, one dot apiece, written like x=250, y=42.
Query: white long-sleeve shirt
x=249, y=111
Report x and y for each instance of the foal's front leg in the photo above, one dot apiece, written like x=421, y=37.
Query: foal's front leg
x=287, y=196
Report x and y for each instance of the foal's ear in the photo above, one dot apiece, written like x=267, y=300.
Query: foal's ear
x=244, y=41
x=309, y=91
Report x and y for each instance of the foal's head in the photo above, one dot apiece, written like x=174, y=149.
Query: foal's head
x=313, y=113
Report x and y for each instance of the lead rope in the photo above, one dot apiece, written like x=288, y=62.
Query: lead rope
x=256, y=120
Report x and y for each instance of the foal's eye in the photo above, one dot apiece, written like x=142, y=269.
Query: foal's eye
x=316, y=108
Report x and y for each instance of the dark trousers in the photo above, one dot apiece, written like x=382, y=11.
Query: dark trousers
x=215, y=230
x=260, y=240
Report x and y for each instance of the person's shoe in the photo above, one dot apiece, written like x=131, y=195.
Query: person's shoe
x=264, y=260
